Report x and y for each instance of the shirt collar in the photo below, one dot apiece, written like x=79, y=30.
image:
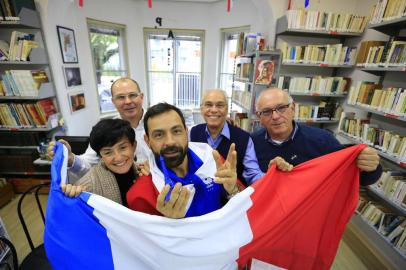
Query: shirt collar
x=224, y=132
x=291, y=137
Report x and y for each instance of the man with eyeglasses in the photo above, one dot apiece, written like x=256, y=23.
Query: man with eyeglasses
x=220, y=135
x=127, y=98
x=296, y=143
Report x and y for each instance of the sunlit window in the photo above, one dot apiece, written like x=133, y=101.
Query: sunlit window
x=107, y=42
x=174, y=67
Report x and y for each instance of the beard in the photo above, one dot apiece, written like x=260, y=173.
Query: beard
x=175, y=160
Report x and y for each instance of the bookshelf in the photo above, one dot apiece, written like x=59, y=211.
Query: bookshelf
x=390, y=27
x=382, y=113
x=284, y=29
x=387, y=119
x=290, y=33
x=380, y=253
x=321, y=65
x=247, y=83
x=394, y=160
x=29, y=112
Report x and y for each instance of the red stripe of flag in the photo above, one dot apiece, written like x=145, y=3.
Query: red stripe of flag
x=81, y=3
x=150, y=3
x=228, y=5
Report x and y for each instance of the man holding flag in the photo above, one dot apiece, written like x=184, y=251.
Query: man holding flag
x=185, y=173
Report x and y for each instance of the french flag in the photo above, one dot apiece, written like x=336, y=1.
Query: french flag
x=292, y=220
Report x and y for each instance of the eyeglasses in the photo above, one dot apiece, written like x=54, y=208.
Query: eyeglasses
x=131, y=96
x=269, y=112
x=218, y=105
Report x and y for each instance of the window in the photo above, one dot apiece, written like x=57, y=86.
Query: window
x=229, y=44
x=174, y=67
x=107, y=43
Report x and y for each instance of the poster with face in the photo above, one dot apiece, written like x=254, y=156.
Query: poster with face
x=264, y=72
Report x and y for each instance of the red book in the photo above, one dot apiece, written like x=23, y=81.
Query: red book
x=47, y=106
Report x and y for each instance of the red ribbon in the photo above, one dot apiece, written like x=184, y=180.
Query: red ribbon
x=81, y=3
x=150, y=3
x=228, y=5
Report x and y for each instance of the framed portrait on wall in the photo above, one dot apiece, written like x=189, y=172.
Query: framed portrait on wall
x=77, y=101
x=72, y=76
x=67, y=43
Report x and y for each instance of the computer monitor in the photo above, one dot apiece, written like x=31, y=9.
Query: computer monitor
x=78, y=144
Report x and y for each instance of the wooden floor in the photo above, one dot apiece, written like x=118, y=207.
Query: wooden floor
x=345, y=259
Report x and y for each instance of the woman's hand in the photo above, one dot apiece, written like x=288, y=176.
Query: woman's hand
x=71, y=190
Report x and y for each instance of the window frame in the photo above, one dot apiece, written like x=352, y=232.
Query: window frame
x=123, y=54
x=164, y=31
x=224, y=32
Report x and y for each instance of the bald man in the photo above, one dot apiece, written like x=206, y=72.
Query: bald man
x=127, y=98
x=220, y=135
x=296, y=143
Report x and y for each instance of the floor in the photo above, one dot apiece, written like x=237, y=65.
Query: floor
x=345, y=259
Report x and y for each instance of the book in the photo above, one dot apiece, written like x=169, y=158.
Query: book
x=40, y=77
x=47, y=107
x=264, y=71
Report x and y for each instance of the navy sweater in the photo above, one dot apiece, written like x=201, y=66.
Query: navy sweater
x=237, y=136
x=308, y=143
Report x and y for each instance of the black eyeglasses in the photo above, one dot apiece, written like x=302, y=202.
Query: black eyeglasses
x=269, y=112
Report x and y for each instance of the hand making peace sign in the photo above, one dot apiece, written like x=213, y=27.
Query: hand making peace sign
x=227, y=171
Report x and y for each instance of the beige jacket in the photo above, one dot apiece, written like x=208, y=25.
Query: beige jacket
x=101, y=181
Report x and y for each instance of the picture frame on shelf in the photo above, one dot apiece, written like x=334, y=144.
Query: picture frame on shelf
x=67, y=44
x=72, y=76
x=77, y=101
x=264, y=71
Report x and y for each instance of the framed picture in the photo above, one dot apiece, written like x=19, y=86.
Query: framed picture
x=72, y=76
x=67, y=44
x=77, y=101
x=264, y=72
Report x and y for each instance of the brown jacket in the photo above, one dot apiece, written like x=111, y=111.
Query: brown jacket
x=101, y=181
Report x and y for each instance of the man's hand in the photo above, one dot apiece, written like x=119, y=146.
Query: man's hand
x=227, y=171
x=143, y=169
x=368, y=160
x=71, y=190
x=176, y=206
x=281, y=164
x=50, y=151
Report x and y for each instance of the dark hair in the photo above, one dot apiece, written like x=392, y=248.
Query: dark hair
x=124, y=79
x=108, y=132
x=161, y=108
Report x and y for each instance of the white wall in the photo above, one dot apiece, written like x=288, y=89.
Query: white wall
x=261, y=15
x=136, y=15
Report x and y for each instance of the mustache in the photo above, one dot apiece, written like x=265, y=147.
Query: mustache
x=171, y=149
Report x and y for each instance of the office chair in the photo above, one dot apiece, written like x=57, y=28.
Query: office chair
x=13, y=251
x=37, y=258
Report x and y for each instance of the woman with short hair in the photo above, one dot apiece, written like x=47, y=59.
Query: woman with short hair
x=114, y=141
